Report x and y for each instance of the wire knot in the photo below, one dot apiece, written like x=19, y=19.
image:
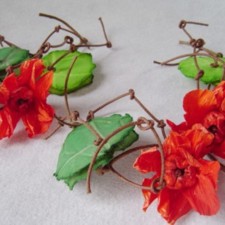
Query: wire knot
x=57, y=28
x=90, y=115
x=68, y=39
x=156, y=186
x=2, y=38
x=109, y=44
x=9, y=69
x=145, y=124
x=132, y=94
x=199, y=74
x=219, y=55
x=182, y=24
x=73, y=47
x=161, y=124
x=199, y=43
x=75, y=115
x=60, y=121
x=98, y=141
x=45, y=48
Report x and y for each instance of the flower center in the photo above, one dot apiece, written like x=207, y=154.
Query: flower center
x=213, y=129
x=215, y=124
x=179, y=174
x=21, y=100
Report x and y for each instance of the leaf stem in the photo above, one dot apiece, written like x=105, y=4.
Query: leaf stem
x=82, y=39
x=108, y=43
x=104, y=141
x=118, y=157
x=2, y=40
x=182, y=56
x=132, y=95
x=66, y=87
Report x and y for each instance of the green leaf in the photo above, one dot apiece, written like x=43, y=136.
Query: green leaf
x=10, y=56
x=212, y=75
x=82, y=174
x=80, y=76
x=78, y=148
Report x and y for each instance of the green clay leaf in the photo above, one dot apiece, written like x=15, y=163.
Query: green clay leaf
x=10, y=56
x=80, y=76
x=78, y=148
x=82, y=174
x=212, y=75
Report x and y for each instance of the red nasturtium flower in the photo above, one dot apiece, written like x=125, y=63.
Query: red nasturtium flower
x=190, y=181
x=208, y=108
x=24, y=97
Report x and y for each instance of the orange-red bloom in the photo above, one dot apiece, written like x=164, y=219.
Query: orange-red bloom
x=208, y=108
x=24, y=97
x=191, y=182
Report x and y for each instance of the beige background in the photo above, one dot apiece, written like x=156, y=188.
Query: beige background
x=140, y=31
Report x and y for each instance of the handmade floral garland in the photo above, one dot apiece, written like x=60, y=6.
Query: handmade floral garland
x=185, y=164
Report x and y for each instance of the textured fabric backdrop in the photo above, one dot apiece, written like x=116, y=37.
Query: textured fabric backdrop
x=140, y=31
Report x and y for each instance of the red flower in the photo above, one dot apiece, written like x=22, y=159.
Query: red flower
x=208, y=108
x=219, y=92
x=24, y=97
x=191, y=182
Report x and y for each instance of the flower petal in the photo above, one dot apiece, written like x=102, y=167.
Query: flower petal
x=197, y=104
x=211, y=170
x=174, y=142
x=172, y=205
x=10, y=82
x=30, y=71
x=200, y=139
x=38, y=119
x=148, y=195
x=178, y=128
x=148, y=161
x=4, y=94
x=43, y=84
x=215, y=123
x=195, y=140
x=202, y=196
x=8, y=121
x=219, y=92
